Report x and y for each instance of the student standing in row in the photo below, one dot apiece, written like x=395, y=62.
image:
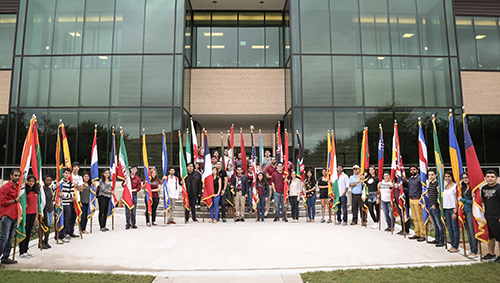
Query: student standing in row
x=356, y=194
x=323, y=195
x=343, y=183
x=385, y=188
x=278, y=185
x=450, y=211
x=67, y=194
x=173, y=187
x=155, y=188
x=104, y=191
x=310, y=187
x=222, y=200
x=490, y=194
x=194, y=188
x=214, y=208
x=240, y=186
x=296, y=188
x=31, y=189
x=263, y=190
x=130, y=214
x=48, y=210
x=8, y=215
x=85, y=198
x=371, y=181
x=466, y=199
x=435, y=210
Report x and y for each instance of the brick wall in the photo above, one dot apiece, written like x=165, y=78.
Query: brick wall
x=481, y=92
x=249, y=91
x=4, y=91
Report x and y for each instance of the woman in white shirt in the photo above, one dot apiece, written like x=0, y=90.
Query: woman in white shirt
x=450, y=211
x=296, y=188
x=384, y=196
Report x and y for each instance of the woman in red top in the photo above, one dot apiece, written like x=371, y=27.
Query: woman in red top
x=250, y=184
x=31, y=190
x=155, y=188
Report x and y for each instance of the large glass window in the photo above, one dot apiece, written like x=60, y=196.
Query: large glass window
x=317, y=81
x=39, y=27
x=224, y=40
x=377, y=81
x=315, y=142
x=314, y=26
x=251, y=46
x=407, y=81
x=98, y=26
x=347, y=82
x=95, y=81
x=349, y=125
x=404, y=30
x=466, y=43
x=126, y=81
x=35, y=82
x=437, y=82
x=159, y=31
x=157, y=81
x=65, y=81
x=487, y=42
x=88, y=119
x=129, y=26
x=432, y=27
x=68, y=28
x=374, y=27
x=7, y=33
x=344, y=25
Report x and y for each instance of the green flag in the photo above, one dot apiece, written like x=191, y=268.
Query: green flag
x=188, y=148
x=183, y=173
x=439, y=165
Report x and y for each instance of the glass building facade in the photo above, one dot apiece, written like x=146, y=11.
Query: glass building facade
x=346, y=64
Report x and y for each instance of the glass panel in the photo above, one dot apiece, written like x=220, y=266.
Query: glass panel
x=98, y=26
x=491, y=136
x=287, y=37
x=11, y=142
x=455, y=76
x=314, y=20
x=68, y=27
x=407, y=81
x=129, y=26
x=20, y=28
x=7, y=33
x=437, y=82
x=157, y=81
x=202, y=19
x=180, y=20
x=35, y=82
x=3, y=140
x=404, y=30
x=441, y=115
x=251, y=19
x=129, y=120
x=384, y=117
x=159, y=33
x=126, y=81
x=274, y=47
x=188, y=37
x=202, y=47
x=294, y=20
x=345, y=27
x=69, y=118
x=288, y=89
x=65, y=81
x=315, y=142
x=408, y=135
x=177, y=120
x=273, y=19
x=450, y=19
x=39, y=27
x=23, y=125
x=88, y=119
x=432, y=26
x=224, y=45
x=377, y=81
x=224, y=19
x=347, y=84
x=296, y=80
x=15, y=81
x=374, y=27
x=317, y=81
x=487, y=42
x=155, y=120
x=95, y=81
x=349, y=125
x=251, y=47
x=466, y=43
x=187, y=89
x=178, y=73
x=297, y=126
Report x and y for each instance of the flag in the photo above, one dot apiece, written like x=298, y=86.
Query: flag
x=255, y=193
x=285, y=162
x=365, y=157
x=422, y=157
x=301, y=167
x=439, y=166
x=67, y=163
x=397, y=174
x=124, y=174
x=94, y=176
x=279, y=148
x=334, y=182
x=261, y=152
x=476, y=180
x=25, y=167
x=58, y=209
x=164, y=161
x=456, y=167
x=147, y=173
x=195, y=144
x=112, y=171
x=36, y=167
x=243, y=153
x=207, y=177
x=188, y=148
x=231, y=146
x=328, y=164
x=183, y=173
x=380, y=153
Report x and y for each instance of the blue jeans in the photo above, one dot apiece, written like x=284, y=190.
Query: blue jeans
x=278, y=202
x=386, y=207
x=214, y=208
x=222, y=203
x=8, y=230
x=453, y=227
x=261, y=207
x=407, y=223
x=67, y=216
x=49, y=218
x=133, y=210
x=294, y=204
x=311, y=207
x=342, y=210
x=83, y=222
x=438, y=224
x=469, y=226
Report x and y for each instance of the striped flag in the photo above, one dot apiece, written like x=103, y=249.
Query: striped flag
x=243, y=153
x=124, y=174
x=255, y=193
x=261, y=152
x=36, y=167
x=67, y=163
x=397, y=174
x=328, y=165
x=188, y=148
x=456, y=167
x=164, y=161
x=231, y=146
x=147, y=173
x=422, y=156
x=301, y=167
x=58, y=207
x=439, y=166
x=208, y=179
x=112, y=171
x=476, y=180
x=183, y=173
x=25, y=167
x=365, y=157
x=195, y=143
x=279, y=148
x=94, y=176
x=333, y=186
x=380, y=153
x=285, y=163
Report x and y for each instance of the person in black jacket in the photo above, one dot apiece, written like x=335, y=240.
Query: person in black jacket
x=240, y=187
x=263, y=191
x=193, y=186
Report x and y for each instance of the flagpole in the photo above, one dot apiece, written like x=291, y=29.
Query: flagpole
x=113, y=216
x=15, y=244
x=40, y=231
x=126, y=207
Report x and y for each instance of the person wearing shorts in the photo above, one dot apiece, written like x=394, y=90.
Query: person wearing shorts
x=490, y=194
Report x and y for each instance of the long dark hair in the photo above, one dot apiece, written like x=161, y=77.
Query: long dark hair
x=103, y=178
x=451, y=175
x=156, y=179
x=83, y=178
x=264, y=179
x=468, y=190
x=35, y=188
x=312, y=180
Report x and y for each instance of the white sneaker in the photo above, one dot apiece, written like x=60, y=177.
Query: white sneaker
x=265, y=214
x=25, y=255
x=30, y=254
x=374, y=226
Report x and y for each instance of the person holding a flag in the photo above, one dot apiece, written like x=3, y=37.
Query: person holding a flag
x=296, y=188
x=466, y=199
x=32, y=189
x=173, y=187
x=48, y=210
x=240, y=187
x=278, y=185
x=194, y=189
x=356, y=185
x=8, y=215
x=343, y=180
x=104, y=191
x=310, y=187
x=450, y=211
x=263, y=191
x=214, y=208
x=415, y=193
x=156, y=187
x=136, y=182
x=85, y=198
x=385, y=188
x=435, y=210
x=67, y=194
x=78, y=183
x=490, y=195
x=371, y=181
x=270, y=169
x=222, y=200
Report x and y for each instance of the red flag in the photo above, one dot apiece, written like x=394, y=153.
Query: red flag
x=243, y=154
x=208, y=178
x=285, y=187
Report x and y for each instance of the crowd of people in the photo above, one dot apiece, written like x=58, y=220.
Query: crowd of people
x=233, y=188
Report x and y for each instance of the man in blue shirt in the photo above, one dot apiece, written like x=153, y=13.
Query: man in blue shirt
x=415, y=193
x=356, y=185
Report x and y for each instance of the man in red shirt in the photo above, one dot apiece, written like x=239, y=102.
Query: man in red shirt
x=8, y=215
x=270, y=169
x=278, y=185
x=136, y=187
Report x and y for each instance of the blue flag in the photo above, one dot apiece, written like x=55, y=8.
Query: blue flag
x=422, y=156
x=164, y=161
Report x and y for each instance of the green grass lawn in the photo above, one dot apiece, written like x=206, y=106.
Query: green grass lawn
x=15, y=275
x=479, y=272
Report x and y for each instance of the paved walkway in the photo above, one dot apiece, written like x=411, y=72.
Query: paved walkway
x=264, y=251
